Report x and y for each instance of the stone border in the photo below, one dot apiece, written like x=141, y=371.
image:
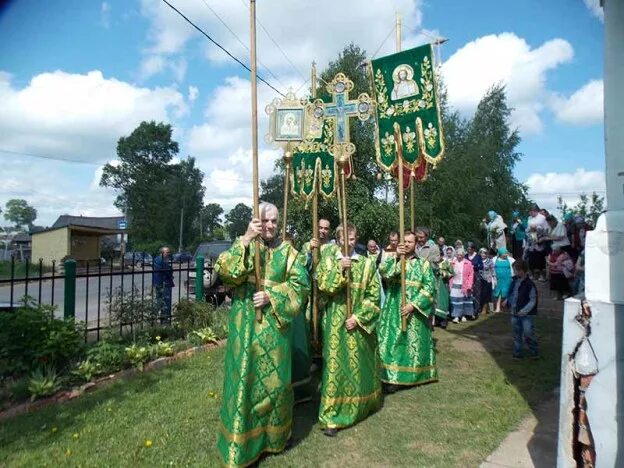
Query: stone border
x=67, y=395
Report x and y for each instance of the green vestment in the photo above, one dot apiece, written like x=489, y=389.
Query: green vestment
x=300, y=339
x=407, y=358
x=256, y=415
x=350, y=388
x=445, y=272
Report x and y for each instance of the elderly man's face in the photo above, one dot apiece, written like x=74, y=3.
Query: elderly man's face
x=324, y=228
x=269, y=223
x=372, y=246
x=421, y=238
x=165, y=252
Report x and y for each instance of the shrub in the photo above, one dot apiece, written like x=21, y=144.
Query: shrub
x=109, y=357
x=162, y=349
x=31, y=337
x=163, y=332
x=191, y=315
x=128, y=307
x=138, y=355
x=43, y=382
x=203, y=336
x=87, y=370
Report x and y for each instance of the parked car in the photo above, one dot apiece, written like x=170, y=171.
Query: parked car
x=182, y=257
x=214, y=290
x=137, y=259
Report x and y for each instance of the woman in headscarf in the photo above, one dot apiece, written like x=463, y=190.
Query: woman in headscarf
x=518, y=235
x=477, y=266
x=503, y=273
x=487, y=280
x=461, y=288
x=495, y=227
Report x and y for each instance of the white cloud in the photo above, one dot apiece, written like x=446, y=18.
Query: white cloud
x=584, y=107
x=193, y=93
x=369, y=24
x=595, y=8
x=79, y=116
x=509, y=60
x=544, y=189
x=54, y=188
x=105, y=9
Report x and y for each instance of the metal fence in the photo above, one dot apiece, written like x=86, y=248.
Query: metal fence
x=89, y=291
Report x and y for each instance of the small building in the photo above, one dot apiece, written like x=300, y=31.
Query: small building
x=77, y=237
x=22, y=245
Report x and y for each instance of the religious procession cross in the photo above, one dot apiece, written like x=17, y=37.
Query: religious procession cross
x=340, y=110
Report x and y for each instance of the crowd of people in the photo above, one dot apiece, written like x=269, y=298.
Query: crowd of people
x=377, y=307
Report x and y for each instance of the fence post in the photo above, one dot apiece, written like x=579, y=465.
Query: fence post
x=69, y=305
x=199, y=279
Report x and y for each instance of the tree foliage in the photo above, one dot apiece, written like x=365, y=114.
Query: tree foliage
x=20, y=213
x=152, y=191
x=588, y=206
x=237, y=220
x=475, y=176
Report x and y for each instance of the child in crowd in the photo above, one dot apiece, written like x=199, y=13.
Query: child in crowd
x=522, y=302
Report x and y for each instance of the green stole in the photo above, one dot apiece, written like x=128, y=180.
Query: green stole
x=256, y=415
x=350, y=387
x=407, y=358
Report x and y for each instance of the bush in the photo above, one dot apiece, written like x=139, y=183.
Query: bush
x=191, y=315
x=138, y=355
x=43, y=382
x=164, y=332
x=203, y=336
x=109, y=357
x=130, y=308
x=31, y=337
x=86, y=370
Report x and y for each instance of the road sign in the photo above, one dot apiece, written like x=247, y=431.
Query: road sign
x=122, y=224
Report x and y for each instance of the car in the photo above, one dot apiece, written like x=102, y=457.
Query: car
x=182, y=257
x=137, y=259
x=214, y=290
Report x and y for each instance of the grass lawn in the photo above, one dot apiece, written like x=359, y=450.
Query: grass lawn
x=169, y=417
x=20, y=269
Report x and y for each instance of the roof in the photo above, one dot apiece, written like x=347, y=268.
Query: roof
x=21, y=237
x=88, y=221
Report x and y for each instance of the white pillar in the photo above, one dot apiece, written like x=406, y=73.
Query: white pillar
x=604, y=278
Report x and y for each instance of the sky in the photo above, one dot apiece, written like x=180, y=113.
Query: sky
x=75, y=76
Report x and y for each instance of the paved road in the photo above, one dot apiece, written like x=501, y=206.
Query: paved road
x=99, y=289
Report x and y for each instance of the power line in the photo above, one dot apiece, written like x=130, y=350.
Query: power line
x=53, y=158
x=221, y=47
x=240, y=41
x=277, y=45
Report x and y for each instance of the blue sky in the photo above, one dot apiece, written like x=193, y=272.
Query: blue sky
x=76, y=75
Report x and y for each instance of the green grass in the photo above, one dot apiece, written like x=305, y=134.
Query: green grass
x=482, y=395
x=20, y=269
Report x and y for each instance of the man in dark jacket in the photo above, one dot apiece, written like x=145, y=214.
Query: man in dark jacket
x=522, y=301
x=162, y=280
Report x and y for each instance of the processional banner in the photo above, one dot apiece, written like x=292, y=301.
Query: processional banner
x=405, y=91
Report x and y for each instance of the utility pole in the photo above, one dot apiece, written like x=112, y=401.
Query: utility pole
x=181, y=226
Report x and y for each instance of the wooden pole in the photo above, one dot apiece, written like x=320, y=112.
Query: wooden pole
x=254, y=145
x=315, y=234
x=412, y=201
x=287, y=160
x=399, y=153
x=345, y=235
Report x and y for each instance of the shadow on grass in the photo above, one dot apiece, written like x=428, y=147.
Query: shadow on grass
x=536, y=380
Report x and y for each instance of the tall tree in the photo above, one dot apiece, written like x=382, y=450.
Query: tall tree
x=590, y=207
x=152, y=191
x=211, y=218
x=237, y=220
x=20, y=213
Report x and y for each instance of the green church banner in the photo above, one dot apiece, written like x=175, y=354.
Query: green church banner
x=312, y=161
x=405, y=91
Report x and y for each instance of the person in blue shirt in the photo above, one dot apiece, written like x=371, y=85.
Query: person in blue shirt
x=162, y=280
x=522, y=302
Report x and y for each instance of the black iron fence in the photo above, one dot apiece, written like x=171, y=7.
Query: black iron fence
x=98, y=294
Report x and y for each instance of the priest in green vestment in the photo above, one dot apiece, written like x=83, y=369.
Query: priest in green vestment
x=407, y=358
x=350, y=387
x=256, y=415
